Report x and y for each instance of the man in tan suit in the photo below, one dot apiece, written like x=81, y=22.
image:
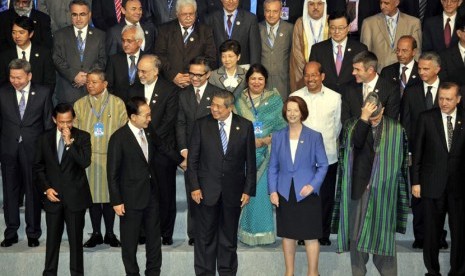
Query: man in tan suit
x=380, y=32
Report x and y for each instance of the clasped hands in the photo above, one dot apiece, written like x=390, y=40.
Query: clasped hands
x=305, y=191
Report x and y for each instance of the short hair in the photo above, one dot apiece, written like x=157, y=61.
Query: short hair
x=124, y=2
x=154, y=59
x=18, y=64
x=201, y=60
x=256, y=68
x=449, y=85
x=320, y=68
x=97, y=71
x=373, y=97
x=271, y=1
x=302, y=107
x=24, y=22
x=227, y=96
x=181, y=3
x=79, y=3
x=338, y=14
x=133, y=104
x=62, y=108
x=231, y=45
x=433, y=56
x=412, y=40
x=367, y=58
x=139, y=35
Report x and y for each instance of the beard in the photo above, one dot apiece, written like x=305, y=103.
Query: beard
x=23, y=11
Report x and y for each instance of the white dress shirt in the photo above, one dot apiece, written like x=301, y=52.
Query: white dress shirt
x=27, y=52
x=148, y=91
x=434, y=90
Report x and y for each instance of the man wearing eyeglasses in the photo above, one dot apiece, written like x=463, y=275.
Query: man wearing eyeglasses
x=181, y=40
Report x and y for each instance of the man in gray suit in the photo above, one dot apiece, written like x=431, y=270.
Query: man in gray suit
x=276, y=36
x=58, y=10
x=76, y=49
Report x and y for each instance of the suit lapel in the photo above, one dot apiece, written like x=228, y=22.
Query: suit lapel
x=329, y=53
x=413, y=74
x=457, y=129
x=214, y=126
x=287, y=144
x=383, y=28
x=440, y=128
x=30, y=101
x=457, y=58
x=132, y=138
x=53, y=145
x=233, y=133
x=89, y=41
x=14, y=102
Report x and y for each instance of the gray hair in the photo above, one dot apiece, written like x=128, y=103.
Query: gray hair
x=373, y=97
x=154, y=59
x=368, y=59
x=182, y=3
x=18, y=64
x=79, y=3
x=431, y=56
x=271, y=1
x=227, y=96
x=139, y=35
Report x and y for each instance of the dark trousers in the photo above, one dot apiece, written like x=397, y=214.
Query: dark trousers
x=130, y=225
x=327, y=191
x=434, y=212
x=17, y=172
x=216, y=239
x=74, y=227
x=99, y=210
x=191, y=207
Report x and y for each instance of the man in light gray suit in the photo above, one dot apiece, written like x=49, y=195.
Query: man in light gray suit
x=76, y=49
x=276, y=37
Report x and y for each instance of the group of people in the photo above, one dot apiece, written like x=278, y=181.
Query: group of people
x=333, y=112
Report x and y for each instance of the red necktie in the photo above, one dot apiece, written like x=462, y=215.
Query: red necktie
x=447, y=32
x=118, y=9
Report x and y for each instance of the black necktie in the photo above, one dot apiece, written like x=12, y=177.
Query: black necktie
x=450, y=132
x=429, y=98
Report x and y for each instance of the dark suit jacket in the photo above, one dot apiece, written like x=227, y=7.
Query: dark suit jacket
x=113, y=43
x=245, y=30
x=322, y=52
x=37, y=118
x=189, y=111
x=157, y=12
x=391, y=73
x=412, y=105
x=411, y=7
x=207, y=7
x=42, y=31
x=43, y=71
x=434, y=167
x=67, y=178
x=352, y=99
x=222, y=175
x=433, y=34
x=104, y=14
x=175, y=55
x=452, y=66
x=117, y=74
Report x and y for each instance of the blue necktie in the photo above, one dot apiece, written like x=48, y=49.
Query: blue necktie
x=80, y=45
x=3, y=5
x=253, y=6
x=61, y=148
x=224, y=138
x=22, y=104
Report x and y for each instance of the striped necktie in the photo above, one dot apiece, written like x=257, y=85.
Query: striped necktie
x=224, y=138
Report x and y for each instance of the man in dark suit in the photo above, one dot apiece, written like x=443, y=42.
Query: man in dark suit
x=121, y=69
x=105, y=14
x=182, y=40
x=160, y=11
x=237, y=24
x=439, y=32
x=43, y=33
x=403, y=73
x=132, y=11
x=64, y=153
x=364, y=69
x=162, y=97
x=438, y=177
x=133, y=185
x=294, y=9
x=422, y=9
x=336, y=53
x=76, y=49
x=43, y=72
x=191, y=108
x=452, y=60
x=20, y=128
x=222, y=175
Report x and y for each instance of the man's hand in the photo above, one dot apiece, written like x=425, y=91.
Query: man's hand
x=197, y=196
x=259, y=143
x=416, y=190
x=367, y=111
x=51, y=195
x=274, y=198
x=183, y=165
x=66, y=134
x=182, y=80
x=119, y=210
x=306, y=190
x=80, y=79
x=245, y=199
x=184, y=153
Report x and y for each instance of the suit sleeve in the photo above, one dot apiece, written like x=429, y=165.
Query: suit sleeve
x=210, y=47
x=181, y=125
x=47, y=40
x=110, y=42
x=59, y=58
x=49, y=70
x=39, y=165
x=251, y=167
x=419, y=146
x=161, y=50
x=47, y=111
x=169, y=118
x=193, y=159
x=80, y=150
x=109, y=73
x=345, y=110
x=321, y=163
x=365, y=35
x=405, y=113
x=114, y=160
x=427, y=41
x=393, y=103
x=102, y=56
x=254, y=42
x=416, y=33
x=273, y=166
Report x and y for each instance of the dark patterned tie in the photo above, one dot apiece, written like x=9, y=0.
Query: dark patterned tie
x=429, y=98
x=80, y=45
x=132, y=69
x=224, y=138
x=447, y=33
x=185, y=34
x=403, y=78
x=22, y=104
x=422, y=9
x=24, y=55
x=229, y=22
x=450, y=132
x=197, y=95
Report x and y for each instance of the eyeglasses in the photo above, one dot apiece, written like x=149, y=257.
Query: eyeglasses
x=193, y=75
x=82, y=14
x=338, y=28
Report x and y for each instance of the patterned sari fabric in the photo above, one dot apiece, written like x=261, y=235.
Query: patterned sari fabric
x=256, y=224
x=387, y=207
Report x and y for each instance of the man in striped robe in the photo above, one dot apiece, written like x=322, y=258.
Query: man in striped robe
x=371, y=202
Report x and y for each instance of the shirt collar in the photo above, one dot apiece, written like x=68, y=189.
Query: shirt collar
x=84, y=31
x=228, y=120
x=373, y=82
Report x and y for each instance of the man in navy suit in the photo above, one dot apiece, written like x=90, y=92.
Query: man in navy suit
x=452, y=59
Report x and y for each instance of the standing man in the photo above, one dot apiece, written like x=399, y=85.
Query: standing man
x=58, y=11
x=191, y=108
x=133, y=185
x=222, y=174
x=438, y=177
x=371, y=202
x=161, y=11
x=422, y=9
x=276, y=38
x=100, y=114
x=106, y=13
x=62, y=156
x=324, y=106
x=453, y=66
x=76, y=49
x=25, y=112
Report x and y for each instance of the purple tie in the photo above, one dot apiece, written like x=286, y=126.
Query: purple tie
x=338, y=59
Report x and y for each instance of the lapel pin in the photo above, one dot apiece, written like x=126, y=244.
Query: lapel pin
x=191, y=39
x=394, y=78
x=109, y=115
x=301, y=141
x=266, y=103
x=237, y=128
x=376, y=90
x=154, y=101
x=90, y=32
x=348, y=49
x=37, y=54
x=413, y=76
x=280, y=34
x=33, y=93
x=35, y=22
x=238, y=23
x=146, y=32
x=156, y=95
x=208, y=98
x=459, y=122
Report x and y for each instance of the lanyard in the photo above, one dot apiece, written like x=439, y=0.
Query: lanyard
x=188, y=35
x=170, y=6
x=98, y=115
x=316, y=39
x=392, y=33
x=228, y=31
x=255, y=111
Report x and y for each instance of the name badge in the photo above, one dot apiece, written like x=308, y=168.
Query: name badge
x=258, y=128
x=285, y=13
x=98, y=129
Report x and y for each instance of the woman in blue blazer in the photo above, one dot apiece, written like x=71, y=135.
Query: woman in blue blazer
x=298, y=166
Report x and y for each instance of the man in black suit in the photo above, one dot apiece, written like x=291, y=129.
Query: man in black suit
x=20, y=128
x=121, y=69
x=132, y=11
x=162, y=97
x=413, y=8
x=364, y=69
x=62, y=156
x=134, y=187
x=336, y=53
x=105, y=14
x=43, y=72
x=237, y=24
x=194, y=103
x=222, y=175
x=43, y=33
x=403, y=73
x=439, y=32
x=452, y=60
x=438, y=177
x=160, y=11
